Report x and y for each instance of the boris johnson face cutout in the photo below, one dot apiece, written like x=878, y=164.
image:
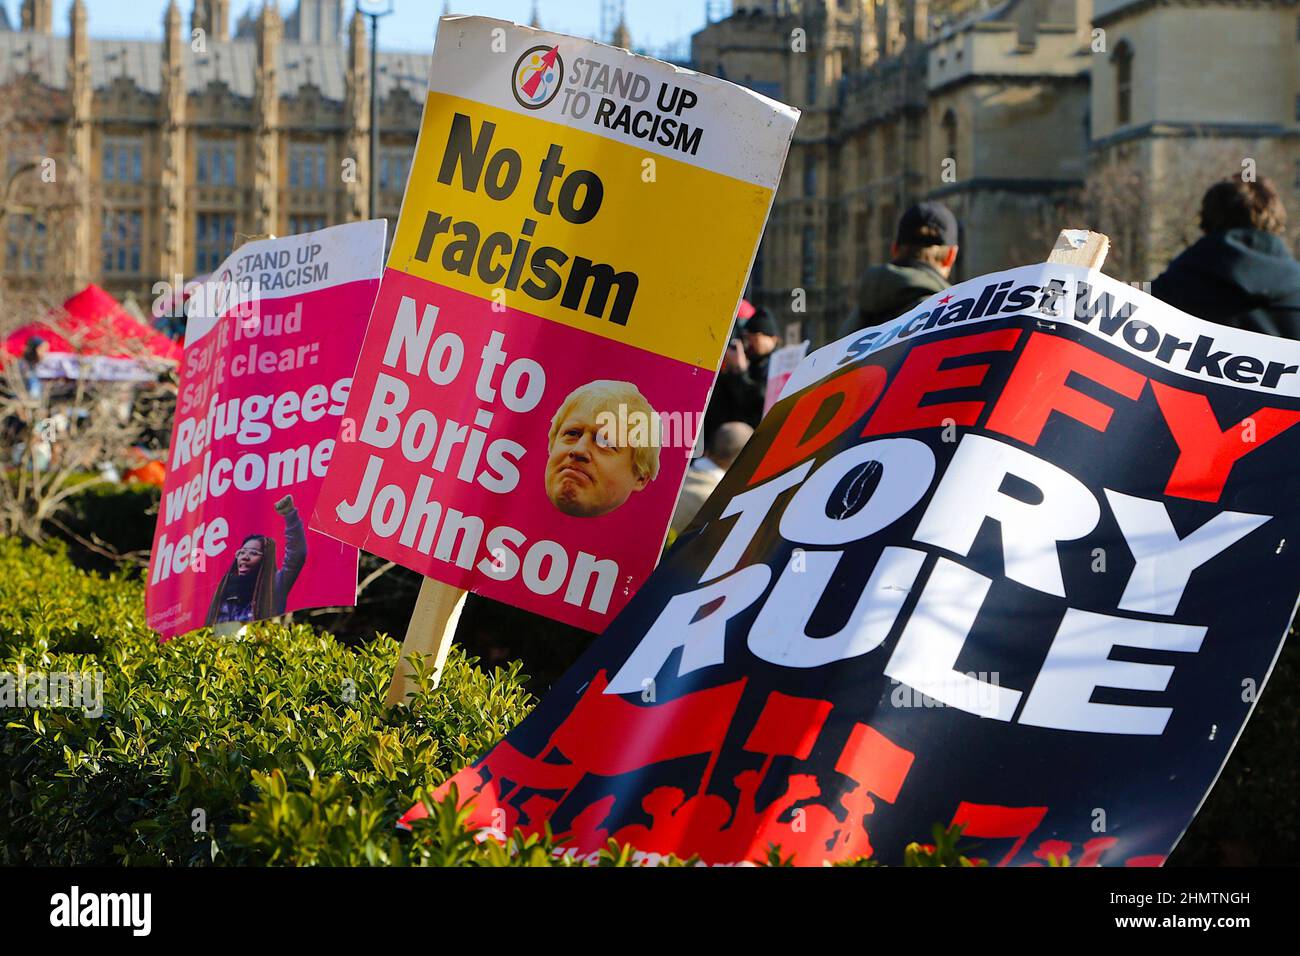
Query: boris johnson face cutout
x=586, y=474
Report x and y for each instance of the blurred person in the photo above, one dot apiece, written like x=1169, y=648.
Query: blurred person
x=590, y=471
x=742, y=381
x=1240, y=273
x=703, y=475
x=921, y=261
x=254, y=589
x=762, y=338
x=34, y=353
x=42, y=446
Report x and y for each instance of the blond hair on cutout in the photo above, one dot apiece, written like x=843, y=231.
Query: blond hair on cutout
x=606, y=395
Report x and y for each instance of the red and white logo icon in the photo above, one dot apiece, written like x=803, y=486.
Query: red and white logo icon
x=537, y=76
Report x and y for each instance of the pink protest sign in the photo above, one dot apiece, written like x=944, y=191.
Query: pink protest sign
x=270, y=346
x=779, y=369
x=526, y=479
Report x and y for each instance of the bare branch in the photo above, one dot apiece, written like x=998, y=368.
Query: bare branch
x=375, y=575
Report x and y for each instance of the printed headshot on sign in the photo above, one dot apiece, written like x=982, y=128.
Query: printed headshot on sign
x=254, y=588
x=589, y=471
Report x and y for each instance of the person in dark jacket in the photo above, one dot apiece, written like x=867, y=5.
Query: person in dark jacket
x=254, y=589
x=923, y=253
x=1240, y=273
x=762, y=338
x=742, y=382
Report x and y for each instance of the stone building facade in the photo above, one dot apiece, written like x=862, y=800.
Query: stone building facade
x=1186, y=90
x=1023, y=117
x=175, y=149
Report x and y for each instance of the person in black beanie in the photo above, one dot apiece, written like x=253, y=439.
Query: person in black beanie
x=922, y=257
x=762, y=338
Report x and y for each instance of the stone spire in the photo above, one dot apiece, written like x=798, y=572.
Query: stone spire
x=868, y=41
x=622, y=35
x=173, y=77
x=172, y=103
x=536, y=20
x=38, y=16
x=81, y=95
x=266, y=172
x=917, y=25
x=79, y=62
x=212, y=16
x=357, y=110
x=889, y=28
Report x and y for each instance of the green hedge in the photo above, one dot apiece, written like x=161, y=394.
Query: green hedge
x=116, y=519
x=272, y=748
x=275, y=747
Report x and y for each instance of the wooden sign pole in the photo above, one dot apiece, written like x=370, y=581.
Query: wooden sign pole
x=1079, y=247
x=432, y=627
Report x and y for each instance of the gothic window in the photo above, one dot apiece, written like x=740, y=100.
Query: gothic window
x=949, y=124
x=215, y=163
x=861, y=230
x=301, y=224
x=214, y=239
x=120, y=242
x=1123, y=60
x=810, y=176
x=27, y=244
x=123, y=160
x=307, y=165
x=394, y=168
x=808, y=271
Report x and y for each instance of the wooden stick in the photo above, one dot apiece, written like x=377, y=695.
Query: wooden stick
x=1080, y=247
x=432, y=627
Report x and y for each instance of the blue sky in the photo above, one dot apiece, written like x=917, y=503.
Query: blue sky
x=654, y=23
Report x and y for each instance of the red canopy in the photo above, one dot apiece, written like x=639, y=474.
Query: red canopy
x=92, y=322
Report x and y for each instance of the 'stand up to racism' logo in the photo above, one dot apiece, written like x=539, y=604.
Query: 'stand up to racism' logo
x=537, y=76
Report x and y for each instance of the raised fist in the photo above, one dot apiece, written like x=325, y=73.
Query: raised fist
x=284, y=505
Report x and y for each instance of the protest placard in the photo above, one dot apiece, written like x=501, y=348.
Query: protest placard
x=779, y=369
x=574, y=239
x=1021, y=560
x=270, y=343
